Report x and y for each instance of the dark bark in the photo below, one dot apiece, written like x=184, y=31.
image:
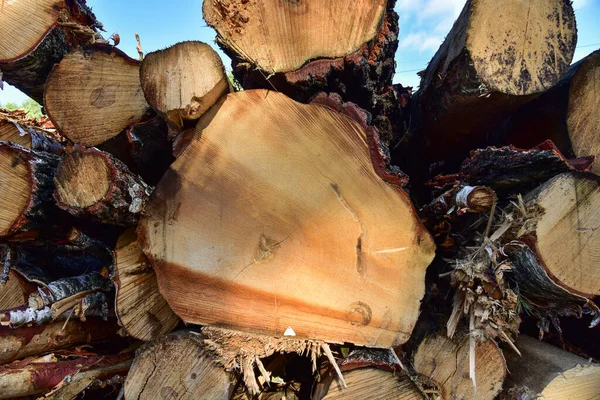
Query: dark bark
x=41, y=167
x=45, y=261
x=363, y=77
x=546, y=116
x=123, y=200
x=509, y=168
x=145, y=148
x=539, y=295
x=29, y=74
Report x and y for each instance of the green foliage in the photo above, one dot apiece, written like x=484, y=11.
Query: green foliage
x=31, y=107
x=10, y=106
x=234, y=83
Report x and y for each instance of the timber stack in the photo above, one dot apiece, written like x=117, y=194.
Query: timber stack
x=306, y=229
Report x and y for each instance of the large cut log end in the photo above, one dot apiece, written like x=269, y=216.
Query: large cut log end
x=495, y=59
x=281, y=36
x=297, y=230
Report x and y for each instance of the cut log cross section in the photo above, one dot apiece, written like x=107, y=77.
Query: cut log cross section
x=281, y=36
x=183, y=81
x=551, y=373
x=567, y=234
x=36, y=34
x=92, y=183
x=446, y=362
x=94, y=93
x=291, y=229
x=25, y=187
x=142, y=310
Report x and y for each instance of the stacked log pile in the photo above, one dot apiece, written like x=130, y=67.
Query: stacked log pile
x=168, y=233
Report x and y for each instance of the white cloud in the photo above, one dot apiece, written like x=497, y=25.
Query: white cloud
x=421, y=41
x=443, y=7
x=578, y=4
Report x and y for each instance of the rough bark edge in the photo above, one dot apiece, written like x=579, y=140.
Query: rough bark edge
x=124, y=200
x=41, y=168
x=507, y=168
x=28, y=71
x=540, y=294
x=372, y=66
x=378, y=151
x=40, y=339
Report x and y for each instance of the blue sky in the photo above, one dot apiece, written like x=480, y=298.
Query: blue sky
x=423, y=25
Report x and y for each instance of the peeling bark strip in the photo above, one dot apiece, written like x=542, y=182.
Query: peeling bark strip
x=293, y=220
x=93, y=184
x=177, y=366
x=346, y=49
x=68, y=287
x=183, y=81
x=26, y=182
x=142, y=311
x=76, y=385
x=550, y=373
x=53, y=28
x=81, y=305
x=26, y=134
x=540, y=295
x=94, y=93
x=493, y=60
x=37, y=340
x=28, y=378
x=567, y=114
x=25, y=315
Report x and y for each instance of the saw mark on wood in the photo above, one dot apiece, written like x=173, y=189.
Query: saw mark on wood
x=360, y=267
x=395, y=250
